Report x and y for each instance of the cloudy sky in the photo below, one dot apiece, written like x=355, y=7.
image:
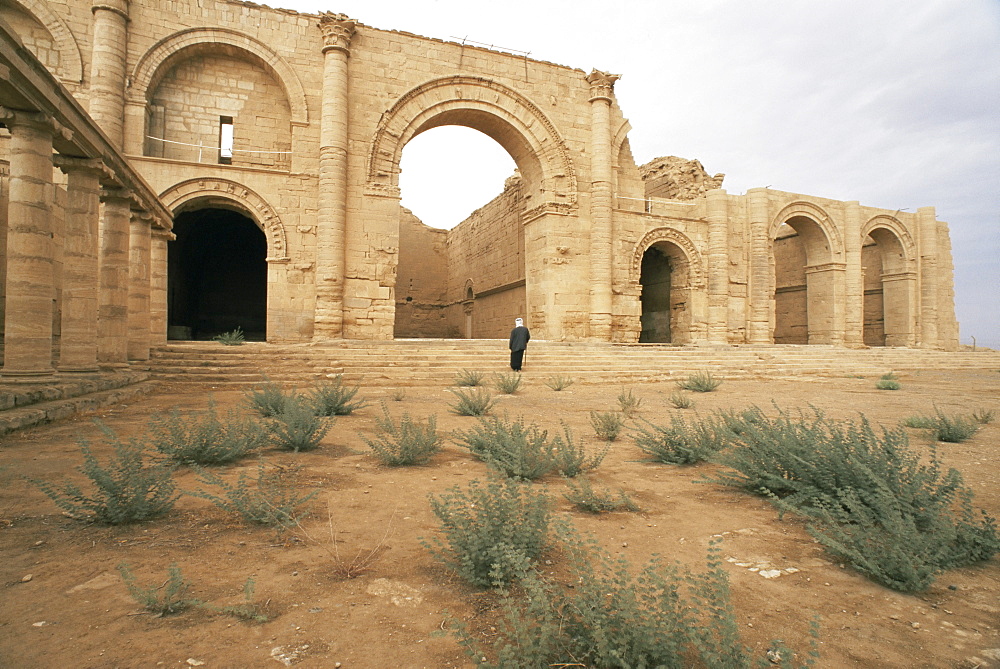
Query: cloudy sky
x=895, y=103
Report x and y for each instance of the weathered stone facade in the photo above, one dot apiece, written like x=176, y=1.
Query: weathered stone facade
x=297, y=234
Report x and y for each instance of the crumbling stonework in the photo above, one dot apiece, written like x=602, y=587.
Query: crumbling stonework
x=584, y=244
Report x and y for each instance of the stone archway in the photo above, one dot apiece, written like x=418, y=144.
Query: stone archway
x=70, y=66
x=668, y=274
x=888, y=259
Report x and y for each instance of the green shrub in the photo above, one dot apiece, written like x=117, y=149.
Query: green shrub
x=628, y=403
x=248, y=610
x=297, y=427
x=205, y=439
x=679, y=443
x=469, y=379
x=571, y=460
x=334, y=398
x=172, y=598
x=664, y=616
x=507, y=383
x=700, y=382
x=270, y=498
x=681, y=400
x=983, y=416
x=234, y=338
x=489, y=531
x=409, y=443
x=559, y=382
x=476, y=402
x=126, y=490
x=888, y=382
x=942, y=427
x=607, y=425
x=511, y=448
x=583, y=496
x=268, y=400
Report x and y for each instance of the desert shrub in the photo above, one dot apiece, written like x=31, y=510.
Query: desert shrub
x=125, y=490
x=681, y=400
x=607, y=424
x=664, y=616
x=700, y=382
x=409, y=443
x=248, y=610
x=628, y=402
x=172, y=599
x=205, y=439
x=942, y=427
x=270, y=498
x=477, y=402
x=468, y=378
x=234, y=338
x=679, y=443
x=509, y=447
x=571, y=460
x=489, y=531
x=583, y=496
x=559, y=382
x=269, y=399
x=983, y=416
x=888, y=381
x=398, y=394
x=335, y=399
x=297, y=427
x=507, y=383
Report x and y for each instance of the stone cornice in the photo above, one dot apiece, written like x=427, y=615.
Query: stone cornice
x=119, y=7
x=602, y=85
x=337, y=31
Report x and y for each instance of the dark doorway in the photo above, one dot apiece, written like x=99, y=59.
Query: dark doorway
x=655, y=298
x=217, y=276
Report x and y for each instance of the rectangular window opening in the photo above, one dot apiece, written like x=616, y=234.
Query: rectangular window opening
x=225, y=140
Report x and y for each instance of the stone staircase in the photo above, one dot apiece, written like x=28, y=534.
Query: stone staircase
x=415, y=362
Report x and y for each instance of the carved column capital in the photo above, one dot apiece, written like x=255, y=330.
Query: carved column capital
x=72, y=164
x=602, y=85
x=119, y=7
x=37, y=120
x=337, y=31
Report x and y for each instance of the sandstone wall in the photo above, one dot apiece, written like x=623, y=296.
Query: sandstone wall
x=422, y=280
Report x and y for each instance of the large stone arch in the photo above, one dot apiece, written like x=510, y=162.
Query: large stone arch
x=679, y=239
x=70, y=58
x=498, y=111
x=226, y=194
x=889, y=283
x=817, y=215
x=672, y=307
x=898, y=230
x=155, y=62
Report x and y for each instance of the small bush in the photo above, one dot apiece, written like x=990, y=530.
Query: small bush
x=268, y=400
x=205, y=439
x=489, y=531
x=888, y=382
x=234, y=338
x=334, y=398
x=559, y=382
x=701, y=382
x=942, y=427
x=126, y=490
x=408, y=443
x=628, y=403
x=983, y=416
x=172, y=598
x=583, y=496
x=469, y=379
x=681, y=400
x=249, y=610
x=508, y=446
x=607, y=424
x=297, y=427
x=476, y=402
x=397, y=394
x=679, y=443
x=507, y=383
x=268, y=499
x=571, y=460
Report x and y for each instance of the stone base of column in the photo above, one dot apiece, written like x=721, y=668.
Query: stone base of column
x=27, y=376
x=86, y=369
x=114, y=366
x=600, y=327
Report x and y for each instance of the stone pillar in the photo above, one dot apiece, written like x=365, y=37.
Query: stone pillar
x=29, y=288
x=928, y=229
x=601, y=175
x=107, y=68
x=112, y=323
x=759, y=329
x=78, y=343
x=332, y=216
x=718, y=266
x=158, y=285
x=138, y=287
x=854, y=314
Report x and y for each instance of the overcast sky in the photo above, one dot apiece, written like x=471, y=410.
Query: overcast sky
x=895, y=103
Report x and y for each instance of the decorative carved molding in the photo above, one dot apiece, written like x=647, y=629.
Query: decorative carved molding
x=70, y=58
x=555, y=208
x=239, y=197
x=895, y=227
x=696, y=265
x=337, y=31
x=817, y=214
x=602, y=85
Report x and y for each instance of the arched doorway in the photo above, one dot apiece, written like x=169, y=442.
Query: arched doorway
x=217, y=275
x=806, y=284
x=888, y=290
x=664, y=279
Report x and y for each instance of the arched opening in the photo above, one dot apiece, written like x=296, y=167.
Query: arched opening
x=216, y=275
x=887, y=290
x=664, y=280
x=803, y=287
x=460, y=219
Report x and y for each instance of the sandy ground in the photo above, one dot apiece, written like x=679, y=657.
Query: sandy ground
x=64, y=604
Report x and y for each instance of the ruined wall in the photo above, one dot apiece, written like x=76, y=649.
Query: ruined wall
x=790, y=303
x=673, y=178
x=421, y=280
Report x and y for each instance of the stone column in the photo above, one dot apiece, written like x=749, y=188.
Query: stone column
x=759, y=327
x=601, y=175
x=928, y=244
x=29, y=289
x=158, y=285
x=332, y=216
x=112, y=323
x=718, y=266
x=854, y=315
x=78, y=343
x=107, y=68
x=138, y=287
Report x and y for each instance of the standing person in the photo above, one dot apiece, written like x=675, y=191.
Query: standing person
x=519, y=337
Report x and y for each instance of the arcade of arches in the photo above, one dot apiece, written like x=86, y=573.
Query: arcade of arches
x=273, y=140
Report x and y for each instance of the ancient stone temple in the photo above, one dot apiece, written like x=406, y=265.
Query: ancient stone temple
x=179, y=168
